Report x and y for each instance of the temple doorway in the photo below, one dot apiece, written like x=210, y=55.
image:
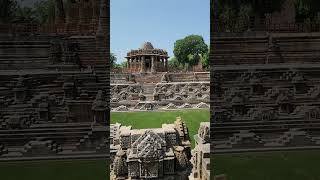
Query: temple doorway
x=148, y=65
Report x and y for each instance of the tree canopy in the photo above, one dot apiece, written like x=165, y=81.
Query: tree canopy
x=45, y=11
x=188, y=50
x=42, y=12
x=258, y=7
x=307, y=10
x=7, y=10
x=205, y=59
x=234, y=15
x=113, y=60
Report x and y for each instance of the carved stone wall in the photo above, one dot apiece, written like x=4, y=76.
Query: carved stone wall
x=44, y=110
x=201, y=154
x=172, y=91
x=161, y=153
x=265, y=48
x=53, y=95
x=265, y=107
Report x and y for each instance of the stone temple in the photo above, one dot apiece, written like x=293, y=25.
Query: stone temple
x=54, y=88
x=147, y=59
x=162, y=153
x=138, y=89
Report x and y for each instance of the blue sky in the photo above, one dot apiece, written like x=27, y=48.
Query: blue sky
x=160, y=22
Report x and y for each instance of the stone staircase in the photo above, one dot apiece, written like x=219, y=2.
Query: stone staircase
x=286, y=138
x=24, y=54
x=148, y=78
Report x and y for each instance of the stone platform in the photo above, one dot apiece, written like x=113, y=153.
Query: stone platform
x=159, y=91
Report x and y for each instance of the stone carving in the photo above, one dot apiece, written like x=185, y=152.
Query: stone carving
x=204, y=133
x=201, y=105
x=50, y=105
x=201, y=154
x=181, y=89
x=120, y=163
x=150, y=153
x=100, y=109
x=271, y=93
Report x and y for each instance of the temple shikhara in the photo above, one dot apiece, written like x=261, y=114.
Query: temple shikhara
x=147, y=59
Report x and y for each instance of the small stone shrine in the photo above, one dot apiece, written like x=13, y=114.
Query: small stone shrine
x=161, y=153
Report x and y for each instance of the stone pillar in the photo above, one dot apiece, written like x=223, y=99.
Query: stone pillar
x=153, y=64
x=81, y=15
x=103, y=19
x=162, y=64
x=68, y=12
x=95, y=13
x=59, y=11
x=138, y=63
x=166, y=64
x=102, y=40
x=72, y=14
x=142, y=65
x=128, y=63
x=134, y=61
x=131, y=61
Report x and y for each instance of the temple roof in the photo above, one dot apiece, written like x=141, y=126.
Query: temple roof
x=148, y=49
x=147, y=45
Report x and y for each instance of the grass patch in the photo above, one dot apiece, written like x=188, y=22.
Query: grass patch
x=293, y=165
x=55, y=170
x=154, y=119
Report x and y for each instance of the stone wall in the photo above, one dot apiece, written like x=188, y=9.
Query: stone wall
x=161, y=153
x=54, y=113
x=265, y=48
x=169, y=91
x=54, y=92
x=265, y=107
x=201, y=154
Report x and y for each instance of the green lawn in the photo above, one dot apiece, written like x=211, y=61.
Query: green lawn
x=154, y=119
x=55, y=170
x=294, y=165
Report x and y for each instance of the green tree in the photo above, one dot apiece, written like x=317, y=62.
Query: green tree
x=307, y=10
x=113, y=60
x=42, y=12
x=25, y=15
x=173, y=63
x=7, y=10
x=60, y=9
x=124, y=64
x=188, y=49
x=233, y=15
x=205, y=59
x=45, y=11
